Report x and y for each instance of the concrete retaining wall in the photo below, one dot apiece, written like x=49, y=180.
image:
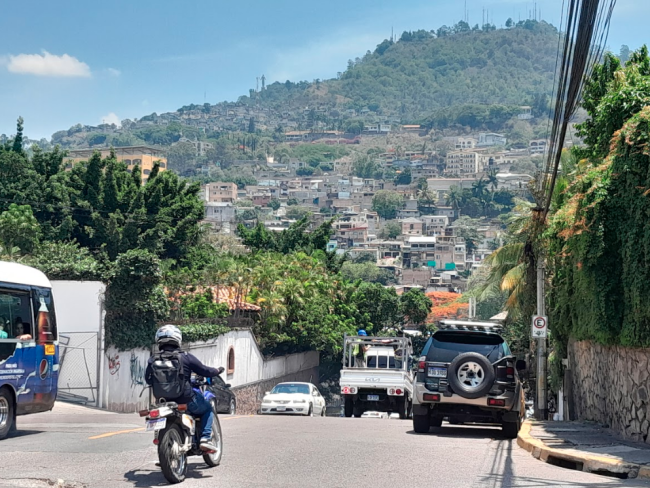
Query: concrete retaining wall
x=124, y=371
x=611, y=386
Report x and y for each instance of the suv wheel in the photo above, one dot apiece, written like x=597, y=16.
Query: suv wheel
x=421, y=424
x=435, y=421
x=471, y=375
x=511, y=429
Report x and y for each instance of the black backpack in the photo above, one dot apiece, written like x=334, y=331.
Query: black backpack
x=168, y=381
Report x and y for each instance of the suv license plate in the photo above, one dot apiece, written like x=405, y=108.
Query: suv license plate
x=438, y=372
x=157, y=424
x=373, y=398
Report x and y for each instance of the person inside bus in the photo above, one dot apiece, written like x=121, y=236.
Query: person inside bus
x=19, y=329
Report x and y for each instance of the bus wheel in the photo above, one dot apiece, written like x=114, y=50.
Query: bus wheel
x=7, y=414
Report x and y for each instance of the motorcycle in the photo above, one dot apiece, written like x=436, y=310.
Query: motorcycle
x=177, y=437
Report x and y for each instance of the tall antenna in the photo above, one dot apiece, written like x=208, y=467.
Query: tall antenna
x=257, y=84
x=392, y=34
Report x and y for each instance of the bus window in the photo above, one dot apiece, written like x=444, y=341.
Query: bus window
x=44, y=315
x=15, y=316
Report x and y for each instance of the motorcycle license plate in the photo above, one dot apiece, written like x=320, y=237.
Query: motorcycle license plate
x=156, y=424
x=437, y=372
x=373, y=398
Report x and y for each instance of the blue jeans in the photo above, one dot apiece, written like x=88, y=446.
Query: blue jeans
x=201, y=407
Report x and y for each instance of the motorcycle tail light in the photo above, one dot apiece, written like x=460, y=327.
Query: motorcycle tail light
x=156, y=441
x=154, y=414
x=182, y=408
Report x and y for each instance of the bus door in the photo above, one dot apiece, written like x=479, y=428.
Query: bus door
x=47, y=367
x=18, y=349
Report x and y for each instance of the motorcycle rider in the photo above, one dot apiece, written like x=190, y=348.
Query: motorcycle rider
x=169, y=339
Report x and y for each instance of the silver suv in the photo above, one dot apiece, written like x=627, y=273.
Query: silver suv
x=467, y=374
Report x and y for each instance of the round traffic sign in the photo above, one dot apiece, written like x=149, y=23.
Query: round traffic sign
x=539, y=322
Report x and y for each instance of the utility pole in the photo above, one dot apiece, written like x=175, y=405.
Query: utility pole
x=542, y=405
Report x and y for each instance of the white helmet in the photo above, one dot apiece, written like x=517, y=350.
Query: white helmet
x=169, y=334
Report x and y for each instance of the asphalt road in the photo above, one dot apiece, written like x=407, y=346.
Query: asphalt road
x=86, y=447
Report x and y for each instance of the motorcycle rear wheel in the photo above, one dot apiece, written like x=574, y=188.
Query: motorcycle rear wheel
x=173, y=462
x=213, y=459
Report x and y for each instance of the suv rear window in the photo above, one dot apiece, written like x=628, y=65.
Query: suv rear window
x=445, y=346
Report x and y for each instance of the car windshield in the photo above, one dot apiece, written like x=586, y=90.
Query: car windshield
x=291, y=388
x=447, y=345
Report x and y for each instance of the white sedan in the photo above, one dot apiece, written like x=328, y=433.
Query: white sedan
x=295, y=399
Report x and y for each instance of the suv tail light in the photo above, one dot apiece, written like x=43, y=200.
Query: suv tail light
x=495, y=402
x=422, y=364
x=431, y=398
x=510, y=372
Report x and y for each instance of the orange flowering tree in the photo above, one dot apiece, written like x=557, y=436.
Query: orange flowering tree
x=446, y=305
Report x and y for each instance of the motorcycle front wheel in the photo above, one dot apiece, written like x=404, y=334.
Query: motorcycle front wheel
x=173, y=461
x=214, y=458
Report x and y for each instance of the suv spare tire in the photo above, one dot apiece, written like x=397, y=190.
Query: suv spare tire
x=471, y=375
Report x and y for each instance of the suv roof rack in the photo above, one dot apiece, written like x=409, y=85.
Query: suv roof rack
x=469, y=325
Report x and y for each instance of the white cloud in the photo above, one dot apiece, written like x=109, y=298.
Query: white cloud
x=47, y=64
x=111, y=118
x=114, y=72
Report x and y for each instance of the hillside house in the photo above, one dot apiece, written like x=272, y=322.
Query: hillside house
x=220, y=192
x=411, y=227
x=488, y=139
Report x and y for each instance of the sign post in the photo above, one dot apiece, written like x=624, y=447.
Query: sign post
x=540, y=327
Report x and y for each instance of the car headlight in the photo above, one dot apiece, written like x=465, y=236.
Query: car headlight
x=299, y=401
x=267, y=401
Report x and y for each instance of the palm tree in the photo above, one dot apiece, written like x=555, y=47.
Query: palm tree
x=478, y=188
x=455, y=198
x=492, y=179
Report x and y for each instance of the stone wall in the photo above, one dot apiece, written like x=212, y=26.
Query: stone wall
x=611, y=386
x=249, y=397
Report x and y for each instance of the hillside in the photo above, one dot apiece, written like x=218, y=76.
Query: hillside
x=421, y=73
x=477, y=78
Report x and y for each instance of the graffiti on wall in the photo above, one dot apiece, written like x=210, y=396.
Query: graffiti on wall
x=137, y=371
x=113, y=364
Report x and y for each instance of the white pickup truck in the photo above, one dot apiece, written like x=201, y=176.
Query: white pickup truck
x=377, y=375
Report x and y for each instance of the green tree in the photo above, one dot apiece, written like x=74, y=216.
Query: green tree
x=378, y=306
x=390, y=230
x=17, y=145
x=415, y=306
x=19, y=228
x=467, y=228
x=368, y=272
x=386, y=203
x=275, y=204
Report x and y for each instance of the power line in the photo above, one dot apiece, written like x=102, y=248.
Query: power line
x=586, y=33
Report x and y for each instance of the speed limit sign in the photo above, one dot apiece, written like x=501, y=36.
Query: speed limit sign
x=540, y=326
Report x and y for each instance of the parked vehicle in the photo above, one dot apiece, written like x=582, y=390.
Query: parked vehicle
x=29, y=344
x=468, y=374
x=177, y=437
x=379, y=379
x=224, y=400
x=294, y=399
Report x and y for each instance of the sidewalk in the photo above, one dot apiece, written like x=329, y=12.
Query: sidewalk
x=585, y=446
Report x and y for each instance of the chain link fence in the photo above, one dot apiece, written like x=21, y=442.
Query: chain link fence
x=78, y=362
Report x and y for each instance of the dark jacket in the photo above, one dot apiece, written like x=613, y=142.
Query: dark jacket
x=190, y=365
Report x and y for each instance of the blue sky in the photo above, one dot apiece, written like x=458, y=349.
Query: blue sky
x=73, y=61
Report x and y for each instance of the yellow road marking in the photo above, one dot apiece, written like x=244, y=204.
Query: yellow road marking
x=110, y=434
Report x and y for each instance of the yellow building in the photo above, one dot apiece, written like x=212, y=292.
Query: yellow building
x=143, y=156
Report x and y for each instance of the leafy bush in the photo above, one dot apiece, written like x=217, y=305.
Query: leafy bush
x=66, y=261
x=202, y=331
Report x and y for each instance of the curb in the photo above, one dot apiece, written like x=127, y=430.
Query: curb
x=579, y=460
